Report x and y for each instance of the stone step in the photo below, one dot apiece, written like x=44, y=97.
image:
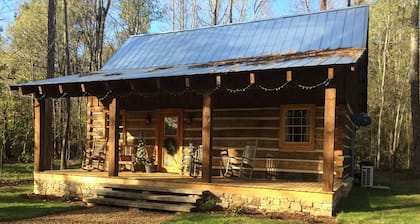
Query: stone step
x=142, y=204
x=147, y=196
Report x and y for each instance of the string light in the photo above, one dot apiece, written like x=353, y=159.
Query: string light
x=238, y=90
x=326, y=82
x=275, y=89
x=105, y=96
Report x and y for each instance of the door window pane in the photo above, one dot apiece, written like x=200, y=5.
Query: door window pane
x=171, y=126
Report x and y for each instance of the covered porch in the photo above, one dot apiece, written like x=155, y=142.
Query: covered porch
x=255, y=194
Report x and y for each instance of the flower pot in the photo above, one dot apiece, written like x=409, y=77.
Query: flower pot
x=149, y=168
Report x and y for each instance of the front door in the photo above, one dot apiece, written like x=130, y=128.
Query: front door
x=170, y=140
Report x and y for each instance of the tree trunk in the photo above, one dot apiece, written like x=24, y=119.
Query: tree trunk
x=214, y=16
x=382, y=93
x=181, y=15
x=230, y=11
x=414, y=79
x=50, y=74
x=323, y=5
x=66, y=138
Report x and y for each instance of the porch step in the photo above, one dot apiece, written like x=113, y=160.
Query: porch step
x=148, y=197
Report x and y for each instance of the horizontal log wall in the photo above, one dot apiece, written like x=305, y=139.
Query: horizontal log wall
x=233, y=128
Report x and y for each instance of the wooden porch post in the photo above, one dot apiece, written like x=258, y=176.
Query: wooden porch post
x=207, y=137
x=329, y=125
x=113, y=138
x=42, y=136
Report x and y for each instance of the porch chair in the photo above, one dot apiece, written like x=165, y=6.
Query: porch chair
x=127, y=157
x=196, y=161
x=241, y=165
x=95, y=155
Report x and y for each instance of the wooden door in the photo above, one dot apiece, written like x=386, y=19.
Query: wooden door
x=170, y=140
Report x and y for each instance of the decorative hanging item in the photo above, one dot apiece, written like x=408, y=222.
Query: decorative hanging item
x=171, y=145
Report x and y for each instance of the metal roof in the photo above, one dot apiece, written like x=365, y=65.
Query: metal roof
x=324, y=38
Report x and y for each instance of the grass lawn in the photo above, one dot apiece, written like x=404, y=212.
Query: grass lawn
x=220, y=219
x=15, y=205
x=401, y=204
x=17, y=172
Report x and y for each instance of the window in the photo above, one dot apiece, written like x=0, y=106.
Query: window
x=297, y=127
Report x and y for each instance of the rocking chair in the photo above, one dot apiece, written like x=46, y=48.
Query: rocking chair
x=95, y=155
x=241, y=165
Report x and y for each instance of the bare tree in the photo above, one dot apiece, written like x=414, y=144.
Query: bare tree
x=67, y=71
x=50, y=74
x=414, y=80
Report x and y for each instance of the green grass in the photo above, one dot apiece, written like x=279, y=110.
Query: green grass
x=17, y=172
x=185, y=218
x=24, y=171
x=14, y=205
x=401, y=204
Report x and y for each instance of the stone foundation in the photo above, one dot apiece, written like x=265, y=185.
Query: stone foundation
x=226, y=196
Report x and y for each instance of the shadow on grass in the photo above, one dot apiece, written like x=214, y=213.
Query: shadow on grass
x=398, y=205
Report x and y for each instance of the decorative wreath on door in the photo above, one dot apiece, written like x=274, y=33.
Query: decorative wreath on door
x=170, y=145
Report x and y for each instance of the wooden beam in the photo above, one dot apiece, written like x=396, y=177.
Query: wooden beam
x=112, y=154
x=218, y=80
x=158, y=83
x=251, y=78
x=60, y=89
x=83, y=88
x=187, y=83
x=39, y=109
x=42, y=157
x=289, y=76
x=330, y=73
x=207, y=135
x=20, y=91
x=328, y=154
x=40, y=90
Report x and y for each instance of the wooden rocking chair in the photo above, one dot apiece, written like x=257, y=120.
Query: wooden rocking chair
x=241, y=165
x=95, y=155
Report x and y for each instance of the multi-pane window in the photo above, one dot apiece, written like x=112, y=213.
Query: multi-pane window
x=297, y=126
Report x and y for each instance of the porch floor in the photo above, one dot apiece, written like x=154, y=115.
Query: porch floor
x=284, y=185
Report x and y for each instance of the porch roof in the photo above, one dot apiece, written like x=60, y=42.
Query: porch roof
x=326, y=38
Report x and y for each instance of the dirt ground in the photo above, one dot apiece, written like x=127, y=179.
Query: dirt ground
x=103, y=214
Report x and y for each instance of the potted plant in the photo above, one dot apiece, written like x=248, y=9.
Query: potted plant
x=145, y=156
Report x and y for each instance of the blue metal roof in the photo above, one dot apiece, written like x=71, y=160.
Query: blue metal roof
x=323, y=38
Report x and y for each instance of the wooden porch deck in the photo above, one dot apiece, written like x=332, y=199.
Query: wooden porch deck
x=157, y=177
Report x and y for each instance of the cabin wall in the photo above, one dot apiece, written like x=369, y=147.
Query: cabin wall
x=246, y=116
x=96, y=120
x=235, y=127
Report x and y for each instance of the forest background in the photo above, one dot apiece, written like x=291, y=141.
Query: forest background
x=88, y=32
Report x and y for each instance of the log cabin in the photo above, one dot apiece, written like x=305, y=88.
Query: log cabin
x=290, y=84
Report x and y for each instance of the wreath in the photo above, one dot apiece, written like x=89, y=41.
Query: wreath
x=170, y=145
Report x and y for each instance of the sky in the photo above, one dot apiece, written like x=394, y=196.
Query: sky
x=8, y=8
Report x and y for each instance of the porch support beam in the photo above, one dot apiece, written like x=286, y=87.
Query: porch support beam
x=42, y=135
x=329, y=125
x=207, y=137
x=112, y=153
